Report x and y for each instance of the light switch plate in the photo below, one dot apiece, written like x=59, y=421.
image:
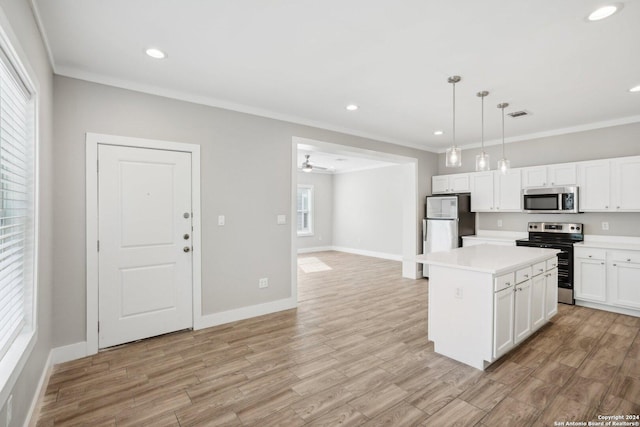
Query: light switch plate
x=281, y=219
x=220, y=219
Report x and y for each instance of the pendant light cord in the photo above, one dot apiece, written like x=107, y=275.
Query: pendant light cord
x=503, y=132
x=454, y=114
x=482, y=127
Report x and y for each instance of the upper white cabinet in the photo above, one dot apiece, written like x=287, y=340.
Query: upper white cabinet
x=609, y=185
x=457, y=183
x=594, y=182
x=547, y=176
x=494, y=191
x=625, y=180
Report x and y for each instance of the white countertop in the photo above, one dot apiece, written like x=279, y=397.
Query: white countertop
x=492, y=259
x=610, y=242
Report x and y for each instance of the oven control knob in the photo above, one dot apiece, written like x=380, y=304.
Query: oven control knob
x=577, y=228
x=573, y=228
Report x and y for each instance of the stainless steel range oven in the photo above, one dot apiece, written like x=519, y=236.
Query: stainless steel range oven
x=562, y=236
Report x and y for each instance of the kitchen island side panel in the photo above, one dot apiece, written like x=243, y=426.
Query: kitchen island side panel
x=460, y=318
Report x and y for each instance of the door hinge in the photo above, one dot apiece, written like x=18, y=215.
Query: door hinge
x=98, y=245
x=98, y=166
x=98, y=326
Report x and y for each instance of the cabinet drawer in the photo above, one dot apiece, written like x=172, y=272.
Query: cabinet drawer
x=523, y=274
x=539, y=268
x=625, y=256
x=504, y=281
x=552, y=263
x=590, y=253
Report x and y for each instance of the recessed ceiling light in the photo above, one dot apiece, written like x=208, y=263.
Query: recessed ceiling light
x=603, y=12
x=155, y=53
x=635, y=89
x=438, y=132
x=341, y=160
x=352, y=107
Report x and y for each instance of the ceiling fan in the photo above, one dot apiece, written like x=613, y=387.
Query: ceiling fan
x=308, y=167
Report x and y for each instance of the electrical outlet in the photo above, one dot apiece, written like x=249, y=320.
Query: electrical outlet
x=605, y=225
x=220, y=219
x=9, y=409
x=458, y=293
x=499, y=223
x=263, y=283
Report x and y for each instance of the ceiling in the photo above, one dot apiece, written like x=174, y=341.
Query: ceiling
x=338, y=162
x=304, y=61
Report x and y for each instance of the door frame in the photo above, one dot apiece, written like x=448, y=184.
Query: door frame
x=92, y=142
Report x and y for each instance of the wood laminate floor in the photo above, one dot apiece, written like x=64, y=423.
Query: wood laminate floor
x=354, y=352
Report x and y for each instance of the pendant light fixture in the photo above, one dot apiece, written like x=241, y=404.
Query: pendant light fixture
x=503, y=163
x=453, y=158
x=482, y=159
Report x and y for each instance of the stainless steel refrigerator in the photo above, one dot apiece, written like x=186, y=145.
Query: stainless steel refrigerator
x=448, y=218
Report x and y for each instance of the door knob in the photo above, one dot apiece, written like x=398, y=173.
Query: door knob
x=186, y=249
x=185, y=237
x=186, y=215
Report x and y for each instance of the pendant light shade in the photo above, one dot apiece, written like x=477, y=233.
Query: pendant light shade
x=503, y=163
x=482, y=159
x=453, y=158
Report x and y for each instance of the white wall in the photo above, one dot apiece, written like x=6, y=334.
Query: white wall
x=246, y=176
x=367, y=210
x=19, y=21
x=322, y=210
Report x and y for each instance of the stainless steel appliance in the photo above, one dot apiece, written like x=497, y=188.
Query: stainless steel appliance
x=550, y=200
x=562, y=236
x=448, y=219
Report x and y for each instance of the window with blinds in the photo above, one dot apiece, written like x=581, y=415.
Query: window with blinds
x=304, y=211
x=16, y=204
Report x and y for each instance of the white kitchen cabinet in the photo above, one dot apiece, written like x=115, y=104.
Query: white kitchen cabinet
x=625, y=180
x=507, y=191
x=494, y=191
x=548, y=176
x=535, y=176
x=482, y=191
x=594, y=182
x=624, y=278
x=522, y=311
x=503, y=321
x=538, y=302
x=551, y=293
x=590, y=275
x=562, y=174
x=455, y=183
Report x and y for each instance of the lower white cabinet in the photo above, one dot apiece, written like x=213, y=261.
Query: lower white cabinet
x=503, y=306
x=590, y=279
x=551, y=293
x=522, y=308
x=624, y=279
x=538, y=301
x=608, y=277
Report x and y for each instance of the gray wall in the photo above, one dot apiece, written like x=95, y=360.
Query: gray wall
x=615, y=141
x=322, y=210
x=246, y=175
x=23, y=25
x=367, y=210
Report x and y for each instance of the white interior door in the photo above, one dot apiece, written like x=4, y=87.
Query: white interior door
x=144, y=232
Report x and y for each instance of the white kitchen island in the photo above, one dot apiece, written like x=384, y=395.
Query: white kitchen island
x=486, y=299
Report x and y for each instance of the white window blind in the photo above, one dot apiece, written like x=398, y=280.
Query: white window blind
x=16, y=188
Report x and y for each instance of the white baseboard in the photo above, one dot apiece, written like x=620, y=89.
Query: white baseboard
x=215, y=319
x=315, y=249
x=69, y=352
x=611, y=308
x=383, y=255
x=38, y=396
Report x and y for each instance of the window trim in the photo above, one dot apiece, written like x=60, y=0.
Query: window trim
x=14, y=360
x=310, y=231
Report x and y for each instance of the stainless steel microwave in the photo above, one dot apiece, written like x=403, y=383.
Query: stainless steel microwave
x=550, y=200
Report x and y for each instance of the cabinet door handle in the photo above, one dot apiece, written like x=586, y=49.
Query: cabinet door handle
x=526, y=275
x=602, y=263
x=628, y=259
x=617, y=207
x=606, y=207
x=590, y=256
x=615, y=265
